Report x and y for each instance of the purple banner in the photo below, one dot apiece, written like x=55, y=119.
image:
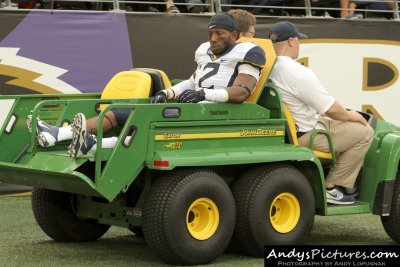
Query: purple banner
x=66, y=52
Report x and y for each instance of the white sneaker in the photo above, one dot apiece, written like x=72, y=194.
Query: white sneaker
x=46, y=133
x=335, y=196
x=82, y=141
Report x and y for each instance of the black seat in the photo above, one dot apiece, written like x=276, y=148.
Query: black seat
x=159, y=79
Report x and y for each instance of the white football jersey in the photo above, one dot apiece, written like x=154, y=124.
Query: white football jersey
x=219, y=72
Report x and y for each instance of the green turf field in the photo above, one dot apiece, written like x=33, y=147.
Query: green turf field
x=22, y=243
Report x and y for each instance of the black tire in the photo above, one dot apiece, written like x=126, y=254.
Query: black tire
x=175, y=209
x=137, y=231
x=54, y=211
x=264, y=219
x=391, y=223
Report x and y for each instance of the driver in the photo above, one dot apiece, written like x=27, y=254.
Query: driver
x=313, y=107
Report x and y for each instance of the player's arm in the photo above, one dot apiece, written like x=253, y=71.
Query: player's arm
x=243, y=85
x=239, y=91
x=249, y=73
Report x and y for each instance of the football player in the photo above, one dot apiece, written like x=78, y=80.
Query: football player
x=226, y=71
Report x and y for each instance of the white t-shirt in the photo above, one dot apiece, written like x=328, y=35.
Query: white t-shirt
x=302, y=92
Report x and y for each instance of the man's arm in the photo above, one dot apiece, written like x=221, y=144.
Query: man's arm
x=242, y=88
x=337, y=112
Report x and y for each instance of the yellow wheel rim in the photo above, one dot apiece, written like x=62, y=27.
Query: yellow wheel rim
x=284, y=213
x=202, y=218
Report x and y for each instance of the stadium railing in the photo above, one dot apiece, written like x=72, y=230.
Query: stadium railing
x=309, y=6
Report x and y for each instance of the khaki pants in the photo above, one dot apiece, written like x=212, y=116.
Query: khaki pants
x=351, y=141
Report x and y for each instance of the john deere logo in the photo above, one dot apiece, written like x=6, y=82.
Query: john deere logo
x=260, y=132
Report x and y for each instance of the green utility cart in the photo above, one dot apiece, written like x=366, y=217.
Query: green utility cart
x=193, y=177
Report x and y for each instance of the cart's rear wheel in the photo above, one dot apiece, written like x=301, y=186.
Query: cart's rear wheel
x=54, y=211
x=189, y=216
x=275, y=205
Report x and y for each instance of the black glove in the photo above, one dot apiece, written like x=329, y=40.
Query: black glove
x=191, y=96
x=160, y=97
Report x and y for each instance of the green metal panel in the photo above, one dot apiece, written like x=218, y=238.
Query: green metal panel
x=359, y=207
x=55, y=161
x=125, y=161
x=225, y=134
x=49, y=177
x=381, y=163
x=15, y=139
x=232, y=156
x=114, y=213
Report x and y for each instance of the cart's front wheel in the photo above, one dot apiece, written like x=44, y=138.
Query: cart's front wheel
x=189, y=216
x=55, y=213
x=202, y=218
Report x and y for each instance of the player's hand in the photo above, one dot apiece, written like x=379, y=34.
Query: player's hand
x=191, y=96
x=160, y=97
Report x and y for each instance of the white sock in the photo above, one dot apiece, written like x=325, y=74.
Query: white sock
x=109, y=142
x=64, y=133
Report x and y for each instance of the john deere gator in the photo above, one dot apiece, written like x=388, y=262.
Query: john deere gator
x=193, y=177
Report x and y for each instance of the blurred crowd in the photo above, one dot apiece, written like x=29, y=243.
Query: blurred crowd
x=345, y=9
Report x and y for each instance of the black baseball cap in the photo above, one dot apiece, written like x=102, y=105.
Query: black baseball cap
x=283, y=30
x=223, y=21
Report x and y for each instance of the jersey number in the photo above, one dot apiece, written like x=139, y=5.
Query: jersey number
x=214, y=70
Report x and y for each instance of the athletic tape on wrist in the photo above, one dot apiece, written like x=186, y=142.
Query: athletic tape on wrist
x=216, y=95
